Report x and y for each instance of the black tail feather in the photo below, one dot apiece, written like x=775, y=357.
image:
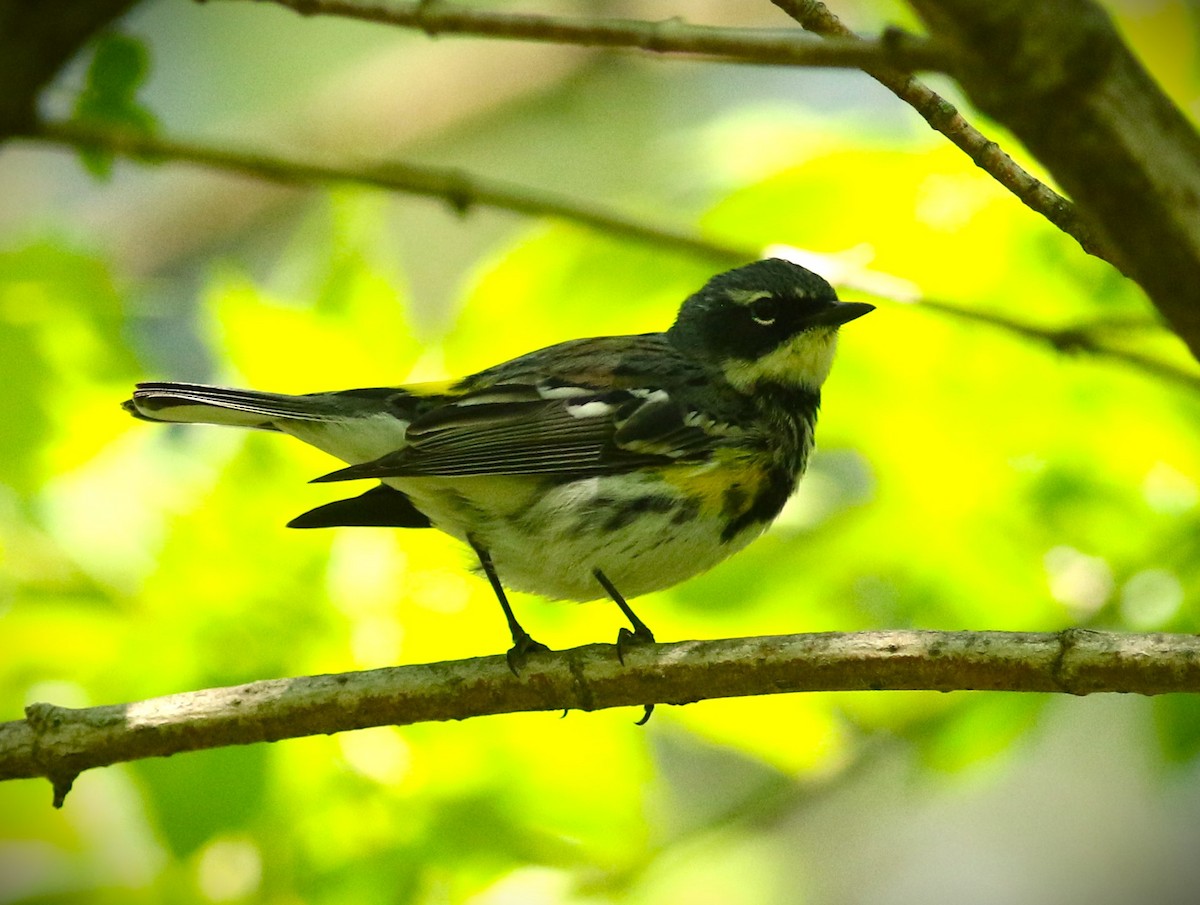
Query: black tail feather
x=379, y=507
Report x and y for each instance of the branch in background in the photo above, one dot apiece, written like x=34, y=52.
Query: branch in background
x=776, y=47
x=1058, y=74
x=462, y=191
x=889, y=61
x=1037, y=72
x=943, y=117
x=1032, y=86
x=59, y=743
x=1080, y=338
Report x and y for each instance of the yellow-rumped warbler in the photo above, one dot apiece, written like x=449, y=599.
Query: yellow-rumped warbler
x=616, y=462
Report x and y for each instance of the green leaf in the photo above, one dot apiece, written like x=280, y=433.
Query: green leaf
x=119, y=66
x=118, y=69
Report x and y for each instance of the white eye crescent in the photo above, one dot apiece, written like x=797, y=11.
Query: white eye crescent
x=764, y=311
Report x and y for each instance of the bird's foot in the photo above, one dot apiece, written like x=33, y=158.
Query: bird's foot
x=636, y=638
x=523, y=646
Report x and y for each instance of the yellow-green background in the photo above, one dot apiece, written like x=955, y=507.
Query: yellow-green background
x=966, y=479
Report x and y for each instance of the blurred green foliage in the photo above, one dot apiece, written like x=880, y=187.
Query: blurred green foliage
x=966, y=478
x=119, y=67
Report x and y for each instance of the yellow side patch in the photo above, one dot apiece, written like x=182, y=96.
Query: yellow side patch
x=732, y=480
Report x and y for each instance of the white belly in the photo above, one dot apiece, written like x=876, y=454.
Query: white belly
x=549, y=541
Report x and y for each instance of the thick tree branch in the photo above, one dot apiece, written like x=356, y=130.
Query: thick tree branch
x=776, y=47
x=944, y=117
x=59, y=743
x=1059, y=76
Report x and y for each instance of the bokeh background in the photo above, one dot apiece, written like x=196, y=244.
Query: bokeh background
x=967, y=478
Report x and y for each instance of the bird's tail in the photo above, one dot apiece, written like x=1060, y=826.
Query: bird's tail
x=199, y=404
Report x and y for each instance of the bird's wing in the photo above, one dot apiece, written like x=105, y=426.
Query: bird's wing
x=575, y=409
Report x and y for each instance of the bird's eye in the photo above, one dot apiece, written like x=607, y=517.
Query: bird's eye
x=764, y=310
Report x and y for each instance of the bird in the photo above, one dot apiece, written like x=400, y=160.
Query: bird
x=609, y=466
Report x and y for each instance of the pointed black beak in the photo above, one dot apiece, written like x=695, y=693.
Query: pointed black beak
x=838, y=313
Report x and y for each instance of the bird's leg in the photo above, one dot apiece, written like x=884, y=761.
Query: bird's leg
x=523, y=643
x=641, y=633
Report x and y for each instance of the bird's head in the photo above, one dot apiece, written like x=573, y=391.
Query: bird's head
x=770, y=322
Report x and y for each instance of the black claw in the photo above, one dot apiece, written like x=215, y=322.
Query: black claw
x=522, y=647
x=645, y=716
x=636, y=638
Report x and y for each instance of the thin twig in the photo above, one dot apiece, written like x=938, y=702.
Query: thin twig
x=462, y=191
x=943, y=117
x=59, y=743
x=459, y=189
x=1080, y=338
x=763, y=46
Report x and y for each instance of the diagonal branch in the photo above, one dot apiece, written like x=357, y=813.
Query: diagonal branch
x=464, y=190
x=59, y=743
x=762, y=46
x=944, y=117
